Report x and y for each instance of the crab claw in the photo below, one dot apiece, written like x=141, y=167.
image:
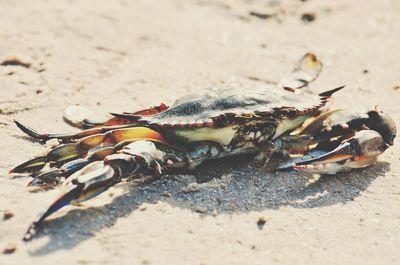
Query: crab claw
x=359, y=151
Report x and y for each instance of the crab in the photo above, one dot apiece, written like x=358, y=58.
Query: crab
x=219, y=122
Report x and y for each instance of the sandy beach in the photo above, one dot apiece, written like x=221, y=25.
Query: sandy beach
x=114, y=56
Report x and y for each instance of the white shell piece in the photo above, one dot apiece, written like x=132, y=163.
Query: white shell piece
x=80, y=116
x=76, y=114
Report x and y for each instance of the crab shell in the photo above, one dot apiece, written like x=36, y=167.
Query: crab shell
x=218, y=113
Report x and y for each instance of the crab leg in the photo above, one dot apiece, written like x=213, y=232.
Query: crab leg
x=68, y=137
x=103, y=177
x=70, y=151
x=98, y=176
x=49, y=179
x=69, y=158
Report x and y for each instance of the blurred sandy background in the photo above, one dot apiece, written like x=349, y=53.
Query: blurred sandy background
x=126, y=55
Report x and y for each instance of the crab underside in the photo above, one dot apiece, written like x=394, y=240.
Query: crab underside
x=218, y=123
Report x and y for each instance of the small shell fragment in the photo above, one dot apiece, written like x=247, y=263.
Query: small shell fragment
x=15, y=61
x=10, y=248
x=82, y=117
x=308, y=69
x=76, y=114
x=261, y=222
x=8, y=215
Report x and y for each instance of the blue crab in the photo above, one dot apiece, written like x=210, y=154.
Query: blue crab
x=219, y=122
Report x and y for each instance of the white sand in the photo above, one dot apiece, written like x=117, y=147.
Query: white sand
x=125, y=55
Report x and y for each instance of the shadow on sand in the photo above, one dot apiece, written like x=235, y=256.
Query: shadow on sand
x=231, y=186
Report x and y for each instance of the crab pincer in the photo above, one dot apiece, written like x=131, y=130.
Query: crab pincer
x=369, y=137
x=357, y=152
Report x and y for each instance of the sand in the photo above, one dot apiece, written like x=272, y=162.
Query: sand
x=126, y=55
